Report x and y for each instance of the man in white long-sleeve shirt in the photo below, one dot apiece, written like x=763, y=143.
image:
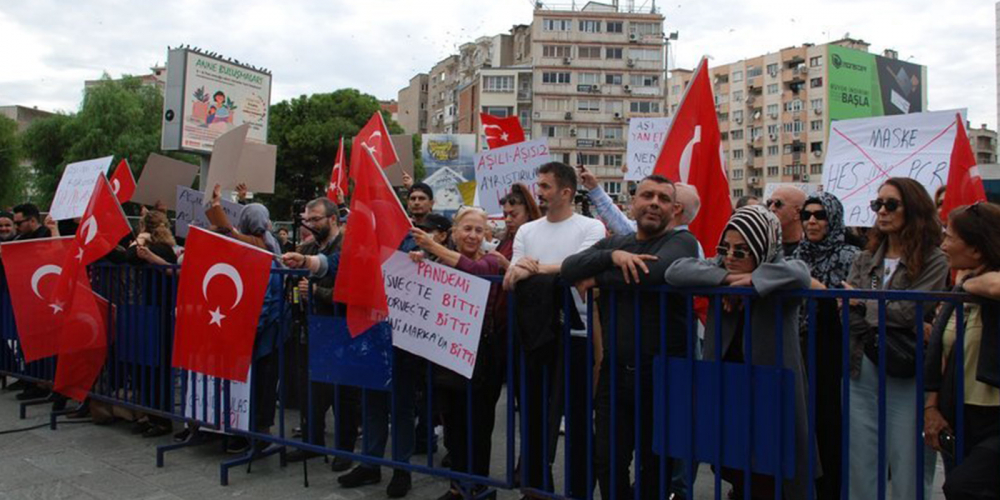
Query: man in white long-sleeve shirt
x=540, y=247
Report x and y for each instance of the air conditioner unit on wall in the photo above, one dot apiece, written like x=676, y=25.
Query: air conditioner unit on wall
x=818, y=111
x=627, y=88
x=566, y=60
x=805, y=177
x=568, y=115
x=631, y=63
x=633, y=37
x=572, y=132
x=817, y=153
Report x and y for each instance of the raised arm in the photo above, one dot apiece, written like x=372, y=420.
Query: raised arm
x=608, y=212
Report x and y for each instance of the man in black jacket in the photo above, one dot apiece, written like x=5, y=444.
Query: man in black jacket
x=631, y=261
x=28, y=223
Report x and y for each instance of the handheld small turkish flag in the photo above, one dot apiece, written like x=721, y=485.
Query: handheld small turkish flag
x=501, y=132
x=375, y=229
x=965, y=185
x=374, y=137
x=219, y=301
x=33, y=268
x=692, y=153
x=122, y=182
x=338, y=177
x=83, y=342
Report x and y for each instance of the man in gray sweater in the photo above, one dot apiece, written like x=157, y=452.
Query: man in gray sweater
x=615, y=264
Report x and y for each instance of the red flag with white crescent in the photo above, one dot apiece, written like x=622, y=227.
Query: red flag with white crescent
x=338, y=177
x=83, y=342
x=501, y=132
x=965, y=185
x=122, y=182
x=374, y=137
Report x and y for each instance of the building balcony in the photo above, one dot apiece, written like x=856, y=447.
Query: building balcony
x=524, y=95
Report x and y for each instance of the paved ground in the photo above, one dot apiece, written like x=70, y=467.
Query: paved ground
x=89, y=461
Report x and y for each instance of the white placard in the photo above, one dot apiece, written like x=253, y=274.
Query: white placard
x=191, y=211
x=499, y=169
x=435, y=311
x=864, y=152
x=239, y=400
x=645, y=140
x=75, y=187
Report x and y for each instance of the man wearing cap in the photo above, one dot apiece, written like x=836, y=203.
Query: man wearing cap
x=436, y=225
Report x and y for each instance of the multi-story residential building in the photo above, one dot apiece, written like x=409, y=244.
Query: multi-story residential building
x=774, y=110
x=442, y=105
x=413, y=105
x=984, y=144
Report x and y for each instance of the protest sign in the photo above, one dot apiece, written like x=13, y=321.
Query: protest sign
x=191, y=211
x=435, y=312
x=200, y=404
x=404, y=151
x=75, y=186
x=225, y=165
x=159, y=179
x=863, y=153
x=256, y=167
x=645, y=140
x=498, y=169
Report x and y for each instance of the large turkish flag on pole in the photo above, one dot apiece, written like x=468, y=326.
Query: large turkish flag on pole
x=33, y=268
x=219, y=300
x=692, y=153
x=965, y=186
x=83, y=342
x=122, y=182
x=374, y=137
x=375, y=229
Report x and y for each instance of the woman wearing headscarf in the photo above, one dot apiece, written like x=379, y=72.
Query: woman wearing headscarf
x=829, y=257
x=750, y=255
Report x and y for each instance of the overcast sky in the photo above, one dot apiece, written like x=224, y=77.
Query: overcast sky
x=48, y=48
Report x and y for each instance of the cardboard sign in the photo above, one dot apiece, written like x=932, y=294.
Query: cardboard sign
x=75, y=187
x=159, y=179
x=499, y=169
x=404, y=151
x=191, y=211
x=645, y=140
x=256, y=167
x=225, y=165
x=435, y=312
x=200, y=404
x=864, y=152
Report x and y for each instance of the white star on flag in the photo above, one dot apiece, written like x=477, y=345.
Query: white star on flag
x=503, y=136
x=57, y=307
x=217, y=317
x=79, y=254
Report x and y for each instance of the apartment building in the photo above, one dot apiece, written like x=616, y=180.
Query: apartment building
x=984, y=144
x=412, y=110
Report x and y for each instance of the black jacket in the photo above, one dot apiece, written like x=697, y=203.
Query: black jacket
x=323, y=287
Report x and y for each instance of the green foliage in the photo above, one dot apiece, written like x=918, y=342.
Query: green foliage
x=11, y=176
x=419, y=171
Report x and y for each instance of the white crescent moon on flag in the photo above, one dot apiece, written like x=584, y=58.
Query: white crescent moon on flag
x=115, y=186
x=227, y=271
x=90, y=230
x=42, y=272
x=685, y=162
x=370, y=139
x=491, y=126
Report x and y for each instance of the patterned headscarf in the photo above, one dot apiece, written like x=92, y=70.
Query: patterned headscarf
x=830, y=258
x=760, y=228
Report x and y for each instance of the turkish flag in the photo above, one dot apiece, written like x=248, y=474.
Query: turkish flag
x=965, y=186
x=501, y=132
x=338, y=177
x=83, y=342
x=33, y=268
x=692, y=153
x=375, y=229
x=375, y=138
x=219, y=300
x=122, y=182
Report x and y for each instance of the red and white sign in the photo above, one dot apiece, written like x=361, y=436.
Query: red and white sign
x=499, y=169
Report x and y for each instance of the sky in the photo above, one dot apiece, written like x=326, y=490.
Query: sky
x=48, y=48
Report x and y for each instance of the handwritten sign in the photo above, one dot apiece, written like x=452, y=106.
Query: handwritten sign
x=499, y=169
x=435, y=312
x=645, y=140
x=75, y=187
x=198, y=397
x=191, y=211
x=865, y=152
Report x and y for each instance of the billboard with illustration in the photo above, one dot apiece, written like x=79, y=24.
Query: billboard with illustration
x=863, y=85
x=449, y=160
x=208, y=96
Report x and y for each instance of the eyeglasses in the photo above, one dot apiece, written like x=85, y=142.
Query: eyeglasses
x=777, y=204
x=737, y=253
x=313, y=220
x=512, y=199
x=820, y=215
x=890, y=204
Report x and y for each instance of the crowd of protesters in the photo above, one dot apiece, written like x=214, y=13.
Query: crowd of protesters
x=790, y=241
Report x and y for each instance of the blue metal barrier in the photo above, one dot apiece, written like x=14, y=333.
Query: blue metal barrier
x=732, y=415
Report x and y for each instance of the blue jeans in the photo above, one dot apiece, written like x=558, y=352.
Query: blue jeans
x=379, y=407
x=901, y=435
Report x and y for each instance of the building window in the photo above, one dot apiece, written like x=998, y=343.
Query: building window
x=816, y=169
x=611, y=187
x=736, y=134
x=816, y=104
x=588, y=105
x=772, y=69
x=554, y=77
x=587, y=133
x=613, y=78
x=675, y=90
x=588, y=78
x=587, y=52
x=498, y=84
x=772, y=151
x=772, y=171
x=772, y=110
x=815, y=146
x=555, y=131
x=815, y=82
x=555, y=104
x=644, y=54
x=756, y=132
x=614, y=26
x=589, y=158
x=646, y=28
x=815, y=61
x=737, y=76
x=737, y=154
x=753, y=71
x=737, y=174
x=738, y=192
x=644, y=107
x=772, y=129
x=590, y=26
x=613, y=107
x=738, y=116
x=613, y=160
x=556, y=24
x=557, y=51
x=499, y=112
x=613, y=53
x=613, y=133
x=795, y=105
x=738, y=96
x=644, y=80
x=772, y=88
x=794, y=127
x=816, y=125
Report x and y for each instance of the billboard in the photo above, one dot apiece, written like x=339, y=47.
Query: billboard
x=864, y=85
x=449, y=160
x=208, y=96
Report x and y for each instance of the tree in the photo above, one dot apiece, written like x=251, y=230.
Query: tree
x=11, y=175
x=306, y=131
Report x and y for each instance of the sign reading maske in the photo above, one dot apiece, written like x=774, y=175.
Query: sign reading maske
x=435, y=312
x=864, y=152
x=206, y=97
x=499, y=169
x=645, y=140
x=863, y=85
x=75, y=187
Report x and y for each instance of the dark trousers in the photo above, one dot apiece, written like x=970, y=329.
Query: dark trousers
x=533, y=387
x=624, y=434
x=398, y=405
x=481, y=399
x=580, y=377
x=976, y=477
x=828, y=390
x=345, y=401
x=265, y=390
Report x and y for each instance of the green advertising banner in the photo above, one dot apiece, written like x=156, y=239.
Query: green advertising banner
x=864, y=85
